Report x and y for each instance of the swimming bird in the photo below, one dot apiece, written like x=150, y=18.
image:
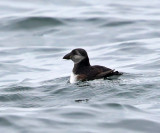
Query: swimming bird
x=83, y=71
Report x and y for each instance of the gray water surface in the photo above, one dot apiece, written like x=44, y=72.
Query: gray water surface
x=35, y=95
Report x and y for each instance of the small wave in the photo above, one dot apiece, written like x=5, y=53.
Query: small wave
x=143, y=125
x=30, y=23
x=4, y=121
x=11, y=97
x=18, y=89
x=113, y=23
x=117, y=106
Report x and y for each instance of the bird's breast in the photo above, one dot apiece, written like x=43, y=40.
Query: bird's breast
x=73, y=78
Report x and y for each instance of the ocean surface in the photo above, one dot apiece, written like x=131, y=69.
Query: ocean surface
x=35, y=95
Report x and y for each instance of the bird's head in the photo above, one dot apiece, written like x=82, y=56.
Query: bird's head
x=76, y=55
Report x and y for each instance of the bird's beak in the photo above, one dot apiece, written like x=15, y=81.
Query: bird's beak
x=67, y=56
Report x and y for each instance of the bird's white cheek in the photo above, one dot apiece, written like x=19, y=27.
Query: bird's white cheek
x=77, y=58
x=73, y=78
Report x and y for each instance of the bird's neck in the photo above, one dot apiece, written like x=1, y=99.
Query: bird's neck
x=81, y=65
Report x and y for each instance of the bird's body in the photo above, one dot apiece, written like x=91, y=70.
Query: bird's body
x=83, y=71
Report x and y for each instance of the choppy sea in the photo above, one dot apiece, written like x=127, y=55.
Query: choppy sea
x=35, y=95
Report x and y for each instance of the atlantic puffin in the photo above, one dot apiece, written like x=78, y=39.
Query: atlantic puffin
x=83, y=71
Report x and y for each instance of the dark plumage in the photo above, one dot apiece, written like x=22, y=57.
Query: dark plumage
x=83, y=71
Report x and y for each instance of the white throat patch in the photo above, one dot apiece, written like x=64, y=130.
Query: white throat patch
x=73, y=78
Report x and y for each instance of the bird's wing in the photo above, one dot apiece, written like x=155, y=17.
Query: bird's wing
x=104, y=74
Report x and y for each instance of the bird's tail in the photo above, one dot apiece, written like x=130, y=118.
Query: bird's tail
x=117, y=73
